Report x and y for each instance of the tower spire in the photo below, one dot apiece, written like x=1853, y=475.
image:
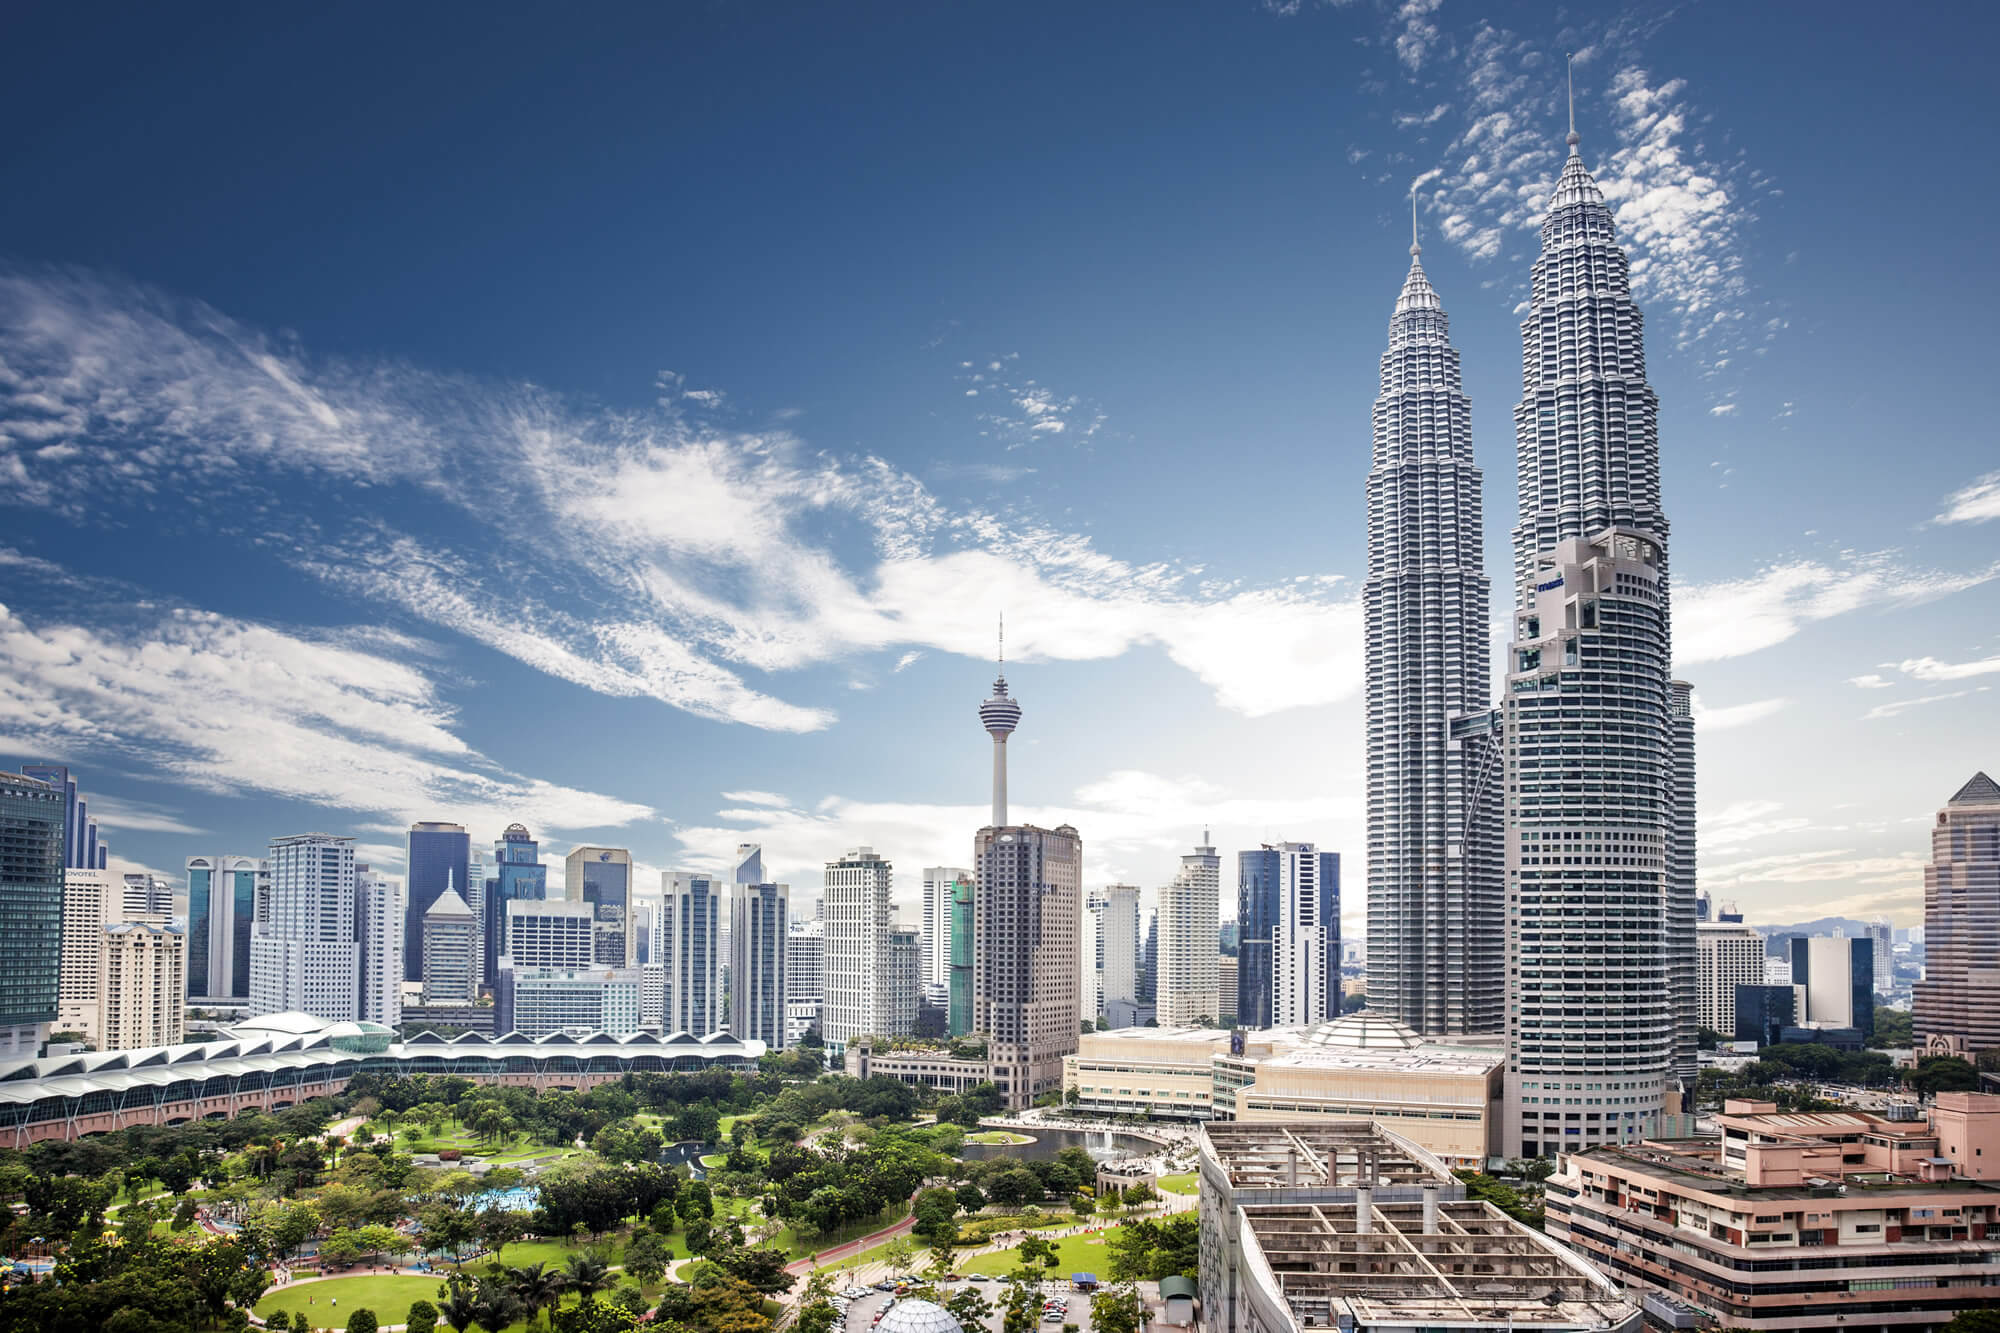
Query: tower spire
x=1570, y=73
x=1002, y=659
x=1415, y=249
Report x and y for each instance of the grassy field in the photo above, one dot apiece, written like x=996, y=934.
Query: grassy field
x=1181, y=1184
x=388, y=1297
x=999, y=1136
x=1078, y=1254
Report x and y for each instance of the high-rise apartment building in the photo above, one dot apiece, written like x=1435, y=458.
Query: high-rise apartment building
x=805, y=977
x=1884, y=937
x=1119, y=942
x=83, y=848
x=1683, y=980
x=543, y=933
x=904, y=972
x=1090, y=955
x=602, y=877
x=438, y=855
x=1149, y=962
x=92, y=900
x=1727, y=956
x=1591, y=1021
x=1225, y=989
x=304, y=957
x=31, y=904
x=759, y=925
x=518, y=876
x=959, y=1006
x=690, y=943
x=451, y=951
x=936, y=910
x=1291, y=889
x=378, y=939
x=1190, y=910
x=142, y=986
x=1434, y=888
x=1958, y=1001
x=222, y=894
x=145, y=895
x=859, y=912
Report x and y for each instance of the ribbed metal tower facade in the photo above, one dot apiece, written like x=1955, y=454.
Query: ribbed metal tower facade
x=1435, y=948
x=1590, y=735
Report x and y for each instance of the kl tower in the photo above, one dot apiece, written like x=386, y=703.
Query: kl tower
x=1000, y=715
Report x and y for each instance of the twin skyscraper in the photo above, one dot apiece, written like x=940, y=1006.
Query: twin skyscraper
x=1530, y=863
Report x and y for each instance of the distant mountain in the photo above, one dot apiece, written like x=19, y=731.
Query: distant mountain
x=1774, y=936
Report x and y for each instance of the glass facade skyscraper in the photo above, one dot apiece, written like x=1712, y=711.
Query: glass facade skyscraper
x=958, y=1020
x=439, y=854
x=31, y=906
x=518, y=875
x=83, y=849
x=602, y=877
x=1435, y=950
x=222, y=909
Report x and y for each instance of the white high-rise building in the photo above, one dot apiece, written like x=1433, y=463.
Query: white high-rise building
x=1090, y=956
x=1683, y=967
x=1120, y=945
x=378, y=935
x=936, y=908
x=150, y=897
x=690, y=940
x=1592, y=924
x=859, y=912
x=1434, y=867
x=653, y=996
x=759, y=925
x=451, y=951
x=805, y=977
x=549, y=933
x=142, y=985
x=1305, y=968
x=304, y=956
x=1728, y=956
x=1190, y=909
x=92, y=900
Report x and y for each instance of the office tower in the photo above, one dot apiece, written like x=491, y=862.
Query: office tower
x=439, y=854
x=1729, y=914
x=1434, y=891
x=690, y=950
x=1090, y=955
x=1704, y=908
x=653, y=997
x=1591, y=1023
x=759, y=924
x=542, y=933
x=222, y=893
x=147, y=895
x=1225, y=989
x=91, y=901
x=1149, y=963
x=1256, y=917
x=378, y=937
x=1294, y=889
x=31, y=904
x=1683, y=984
x=1727, y=957
x=858, y=911
x=304, y=957
x=1190, y=908
x=142, y=985
x=1764, y=1011
x=938, y=882
x=1883, y=935
x=83, y=848
x=645, y=928
x=1837, y=977
x=451, y=957
x=518, y=876
x=1120, y=946
x=805, y=977
x=540, y=1003
x=602, y=877
x=905, y=967
x=959, y=1011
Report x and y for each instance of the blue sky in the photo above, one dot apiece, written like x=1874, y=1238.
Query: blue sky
x=631, y=421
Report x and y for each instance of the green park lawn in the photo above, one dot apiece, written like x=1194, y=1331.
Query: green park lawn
x=1181, y=1184
x=388, y=1297
x=999, y=1136
x=1077, y=1254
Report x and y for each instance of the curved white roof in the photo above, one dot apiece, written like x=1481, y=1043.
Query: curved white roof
x=918, y=1317
x=1365, y=1030
x=292, y=1022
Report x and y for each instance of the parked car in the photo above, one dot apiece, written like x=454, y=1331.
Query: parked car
x=979, y=1277
x=886, y=1284
x=856, y=1293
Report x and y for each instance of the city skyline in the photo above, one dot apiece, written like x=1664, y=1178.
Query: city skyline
x=1833, y=612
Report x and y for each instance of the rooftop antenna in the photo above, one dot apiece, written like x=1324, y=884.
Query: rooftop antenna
x=1570, y=73
x=1415, y=249
x=1003, y=638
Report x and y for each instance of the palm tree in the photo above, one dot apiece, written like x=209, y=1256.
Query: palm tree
x=494, y=1305
x=458, y=1306
x=586, y=1275
x=537, y=1286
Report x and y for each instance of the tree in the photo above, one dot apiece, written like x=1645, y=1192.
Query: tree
x=1140, y=1194
x=1115, y=1310
x=362, y=1321
x=494, y=1304
x=1892, y=1030
x=970, y=1197
x=586, y=1275
x=762, y=1268
x=970, y=1307
x=1974, y=1321
x=497, y=1229
x=1943, y=1073
x=1038, y=1250
x=897, y=1253
x=458, y=1303
x=646, y=1257
x=934, y=1210
x=697, y=1235
x=422, y=1318
x=537, y=1286
x=1014, y=1187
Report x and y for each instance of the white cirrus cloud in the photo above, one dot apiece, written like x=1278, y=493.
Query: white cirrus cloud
x=1930, y=668
x=230, y=706
x=1975, y=502
x=1901, y=706
x=1707, y=719
x=1745, y=821
x=1735, y=617
x=694, y=564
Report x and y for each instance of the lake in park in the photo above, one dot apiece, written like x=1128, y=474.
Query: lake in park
x=1102, y=1145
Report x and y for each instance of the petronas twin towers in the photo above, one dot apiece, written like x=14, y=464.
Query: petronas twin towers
x=1530, y=877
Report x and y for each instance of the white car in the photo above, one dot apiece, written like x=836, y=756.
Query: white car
x=856, y=1293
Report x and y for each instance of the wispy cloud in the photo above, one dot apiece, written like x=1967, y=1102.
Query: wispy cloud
x=1900, y=706
x=1745, y=821
x=227, y=705
x=1708, y=719
x=690, y=558
x=138, y=816
x=1973, y=503
x=1714, y=621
